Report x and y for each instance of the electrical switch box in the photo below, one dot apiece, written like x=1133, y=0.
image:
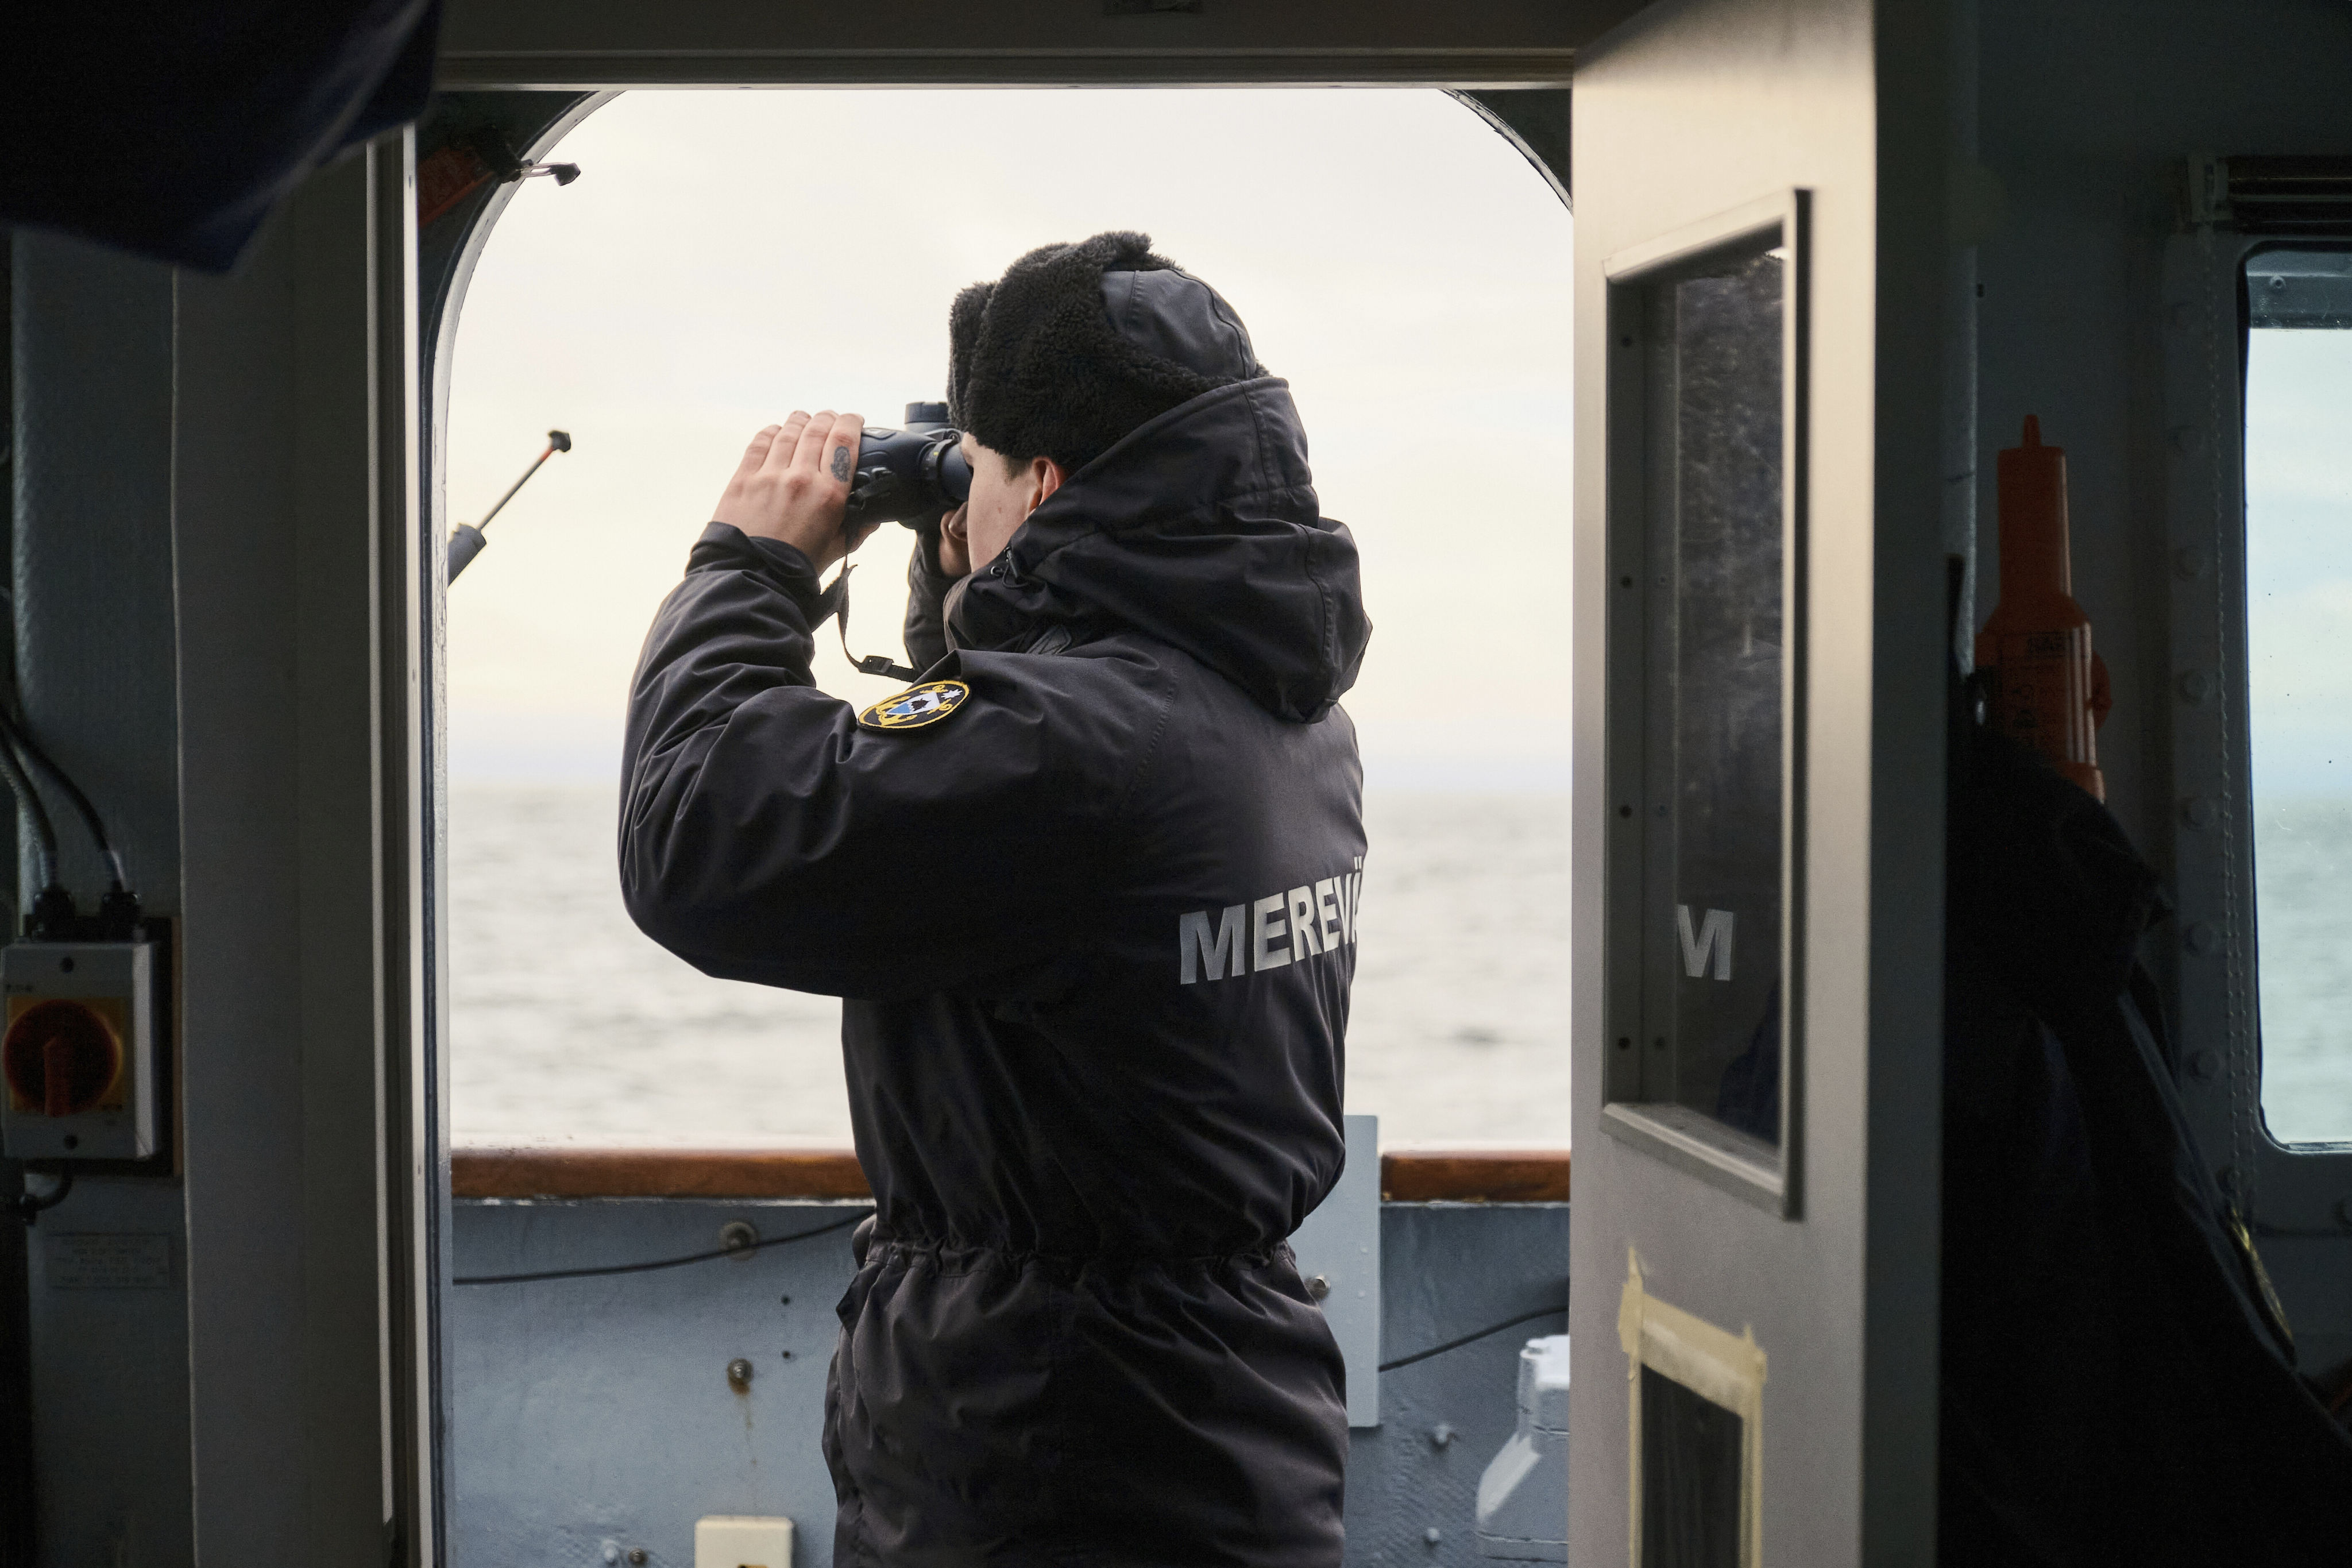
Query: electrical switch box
x=77, y=1051
x=743, y=1541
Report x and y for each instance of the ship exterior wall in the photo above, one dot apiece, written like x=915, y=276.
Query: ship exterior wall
x=591, y=1411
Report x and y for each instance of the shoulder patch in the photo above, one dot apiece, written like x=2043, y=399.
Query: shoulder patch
x=916, y=707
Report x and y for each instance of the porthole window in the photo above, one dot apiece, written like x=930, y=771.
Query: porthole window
x=2298, y=415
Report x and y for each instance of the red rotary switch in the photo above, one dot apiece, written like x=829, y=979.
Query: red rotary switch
x=61, y=1056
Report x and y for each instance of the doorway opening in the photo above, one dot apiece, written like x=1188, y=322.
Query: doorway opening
x=723, y=258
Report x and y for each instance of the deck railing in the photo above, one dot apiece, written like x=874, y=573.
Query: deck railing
x=1419, y=1175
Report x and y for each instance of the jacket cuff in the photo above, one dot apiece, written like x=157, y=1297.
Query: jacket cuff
x=723, y=547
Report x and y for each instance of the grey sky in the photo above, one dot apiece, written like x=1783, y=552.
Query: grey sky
x=2298, y=570
x=728, y=256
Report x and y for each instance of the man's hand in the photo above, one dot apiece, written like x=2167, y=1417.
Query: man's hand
x=794, y=483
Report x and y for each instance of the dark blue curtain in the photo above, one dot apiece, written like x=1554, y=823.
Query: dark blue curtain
x=172, y=130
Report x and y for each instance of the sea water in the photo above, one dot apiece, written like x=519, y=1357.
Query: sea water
x=569, y=1026
x=2302, y=913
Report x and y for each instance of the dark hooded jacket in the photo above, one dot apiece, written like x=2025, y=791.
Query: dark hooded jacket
x=2119, y=1384
x=1094, y=930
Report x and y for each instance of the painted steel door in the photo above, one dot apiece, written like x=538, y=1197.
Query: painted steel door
x=1758, y=686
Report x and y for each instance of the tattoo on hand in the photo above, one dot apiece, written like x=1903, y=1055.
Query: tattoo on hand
x=841, y=464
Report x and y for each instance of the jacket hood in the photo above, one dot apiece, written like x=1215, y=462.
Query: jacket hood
x=1200, y=530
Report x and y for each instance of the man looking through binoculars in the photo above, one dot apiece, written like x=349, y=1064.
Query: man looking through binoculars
x=1088, y=893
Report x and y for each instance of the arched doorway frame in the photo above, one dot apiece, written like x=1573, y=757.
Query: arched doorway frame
x=529, y=74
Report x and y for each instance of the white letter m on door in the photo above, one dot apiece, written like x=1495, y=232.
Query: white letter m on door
x=1714, y=939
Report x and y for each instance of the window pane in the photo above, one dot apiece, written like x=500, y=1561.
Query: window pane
x=1712, y=932
x=2299, y=650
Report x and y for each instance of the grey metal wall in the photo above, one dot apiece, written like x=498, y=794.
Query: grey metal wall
x=594, y=1412
x=2087, y=113
x=194, y=536
x=97, y=659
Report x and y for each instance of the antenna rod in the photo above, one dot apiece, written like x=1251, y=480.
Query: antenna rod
x=467, y=541
x=557, y=441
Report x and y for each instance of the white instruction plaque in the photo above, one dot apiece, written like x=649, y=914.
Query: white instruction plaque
x=107, y=1260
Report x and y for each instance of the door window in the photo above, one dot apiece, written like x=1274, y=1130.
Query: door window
x=1712, y=931
x=1703, y=509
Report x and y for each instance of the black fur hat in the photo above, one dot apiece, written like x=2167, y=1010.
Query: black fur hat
x=1077, y=345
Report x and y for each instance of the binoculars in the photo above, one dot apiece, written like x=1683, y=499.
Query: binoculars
x=915, y=475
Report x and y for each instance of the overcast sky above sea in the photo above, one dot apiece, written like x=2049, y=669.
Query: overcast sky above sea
x=728, y=256
x=2298, y=572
